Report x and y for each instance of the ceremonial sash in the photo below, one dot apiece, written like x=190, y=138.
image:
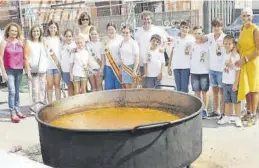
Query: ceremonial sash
x=55, y=59
x=93, y=54
x=115, y=68
x=136, y=78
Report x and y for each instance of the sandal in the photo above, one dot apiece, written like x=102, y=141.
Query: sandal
x=20, y=115
x=15, y=119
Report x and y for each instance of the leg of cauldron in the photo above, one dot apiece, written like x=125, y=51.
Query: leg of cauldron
x=189, y=166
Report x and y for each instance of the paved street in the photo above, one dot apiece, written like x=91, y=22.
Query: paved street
x=223, y=146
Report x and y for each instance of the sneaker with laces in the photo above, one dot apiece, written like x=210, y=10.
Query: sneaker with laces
x=238, y=122
x=224, y=120
x=252, y=119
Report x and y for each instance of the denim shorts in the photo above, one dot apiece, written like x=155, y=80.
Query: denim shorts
x=229, y=95
x=66, y=77
x=151, y=82
x=78, y=78
x=215, y=78
x=125, y=77
x=200, y=82
x=52, y=71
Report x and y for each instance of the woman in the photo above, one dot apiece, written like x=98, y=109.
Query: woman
x=12, y=62
x=96, y=60
x=248, y=48
x=129, y=55
x=112, y=43
x=53, y=46
x=85, y=25
x=36, y=53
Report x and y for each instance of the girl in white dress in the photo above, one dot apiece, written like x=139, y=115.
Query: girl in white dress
x=96, y=60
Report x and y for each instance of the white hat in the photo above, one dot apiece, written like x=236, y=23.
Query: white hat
x=249, y=11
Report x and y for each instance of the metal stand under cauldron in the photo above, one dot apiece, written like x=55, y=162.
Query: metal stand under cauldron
x=174, y=144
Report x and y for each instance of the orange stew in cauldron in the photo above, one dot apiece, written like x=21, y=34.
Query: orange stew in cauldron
x=113, y=118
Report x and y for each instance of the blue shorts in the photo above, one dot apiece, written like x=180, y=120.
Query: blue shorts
x=110, y=80
x=215, y=78
x=151, y=82
x=200, y=82
x=229, y=95
x=66, y=77
x=52, y=71
x=125, y=77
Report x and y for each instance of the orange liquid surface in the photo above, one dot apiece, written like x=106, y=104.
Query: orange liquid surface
x=112, y=118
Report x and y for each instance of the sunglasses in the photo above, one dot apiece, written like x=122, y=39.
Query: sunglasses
x=125, y=32
x=197, y=34
x=184, y=27
x=246, y=15
x=84, y=19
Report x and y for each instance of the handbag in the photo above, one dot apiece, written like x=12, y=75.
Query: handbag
x=35, y=69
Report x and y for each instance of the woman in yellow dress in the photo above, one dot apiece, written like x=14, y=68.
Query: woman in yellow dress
x=248, y=48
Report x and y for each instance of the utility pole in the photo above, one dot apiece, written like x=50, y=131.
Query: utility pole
x=20, y=14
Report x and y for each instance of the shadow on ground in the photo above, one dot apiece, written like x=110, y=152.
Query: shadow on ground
x=5, y=113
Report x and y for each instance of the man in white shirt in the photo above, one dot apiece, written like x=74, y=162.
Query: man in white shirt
x=215, y=40
x=143, y=37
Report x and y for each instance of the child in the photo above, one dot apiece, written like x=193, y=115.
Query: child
x=79, y=66
x=96, y=60
x=215, y=40
x=230, y=81
x=180, y=58
x=154, y=63
x=66, y=51
x=200, y=67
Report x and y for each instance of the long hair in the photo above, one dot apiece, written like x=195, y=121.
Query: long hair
x=41, y=33
x=51, y=23
x=7, y=29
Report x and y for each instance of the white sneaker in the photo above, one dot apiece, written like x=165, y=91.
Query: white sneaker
x=224, y=120
x=238, y=122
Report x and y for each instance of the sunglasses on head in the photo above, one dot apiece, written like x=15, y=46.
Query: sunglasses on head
x=197, y=34
x=84, y=19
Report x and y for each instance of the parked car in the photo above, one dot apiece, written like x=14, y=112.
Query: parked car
x=234, y=28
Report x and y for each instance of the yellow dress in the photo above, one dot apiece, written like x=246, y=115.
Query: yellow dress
x=249, y=74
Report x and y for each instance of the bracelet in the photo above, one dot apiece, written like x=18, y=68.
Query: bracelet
x=246, y=60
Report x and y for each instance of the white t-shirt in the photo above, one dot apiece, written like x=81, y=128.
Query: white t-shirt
x=128, y=51
x=143, y=38
x=180, y=59
x=114, y=45
x=216, y=62
x=38, y=57
x=200, y=58
x=97, y=49
x=230, y=76
x=154, y=60
x=54, y=44
x=80, y=60
x=65, y=56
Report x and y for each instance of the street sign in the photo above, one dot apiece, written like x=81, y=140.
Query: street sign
x=29, y=12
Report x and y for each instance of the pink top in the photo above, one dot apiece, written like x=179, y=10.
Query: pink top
x=13, y=55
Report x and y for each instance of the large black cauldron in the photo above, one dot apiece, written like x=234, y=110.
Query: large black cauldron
x=163, y=145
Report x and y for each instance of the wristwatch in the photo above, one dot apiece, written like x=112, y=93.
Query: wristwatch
x=246, y=60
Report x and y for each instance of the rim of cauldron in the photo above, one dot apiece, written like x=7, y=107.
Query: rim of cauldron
x=170, y=124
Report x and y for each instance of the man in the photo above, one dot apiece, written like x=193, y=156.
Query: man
x=143, y=36
x=215, y=40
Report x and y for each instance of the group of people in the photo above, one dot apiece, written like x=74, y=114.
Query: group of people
x=120, y=60
x=76, y=59
x=232, y=70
